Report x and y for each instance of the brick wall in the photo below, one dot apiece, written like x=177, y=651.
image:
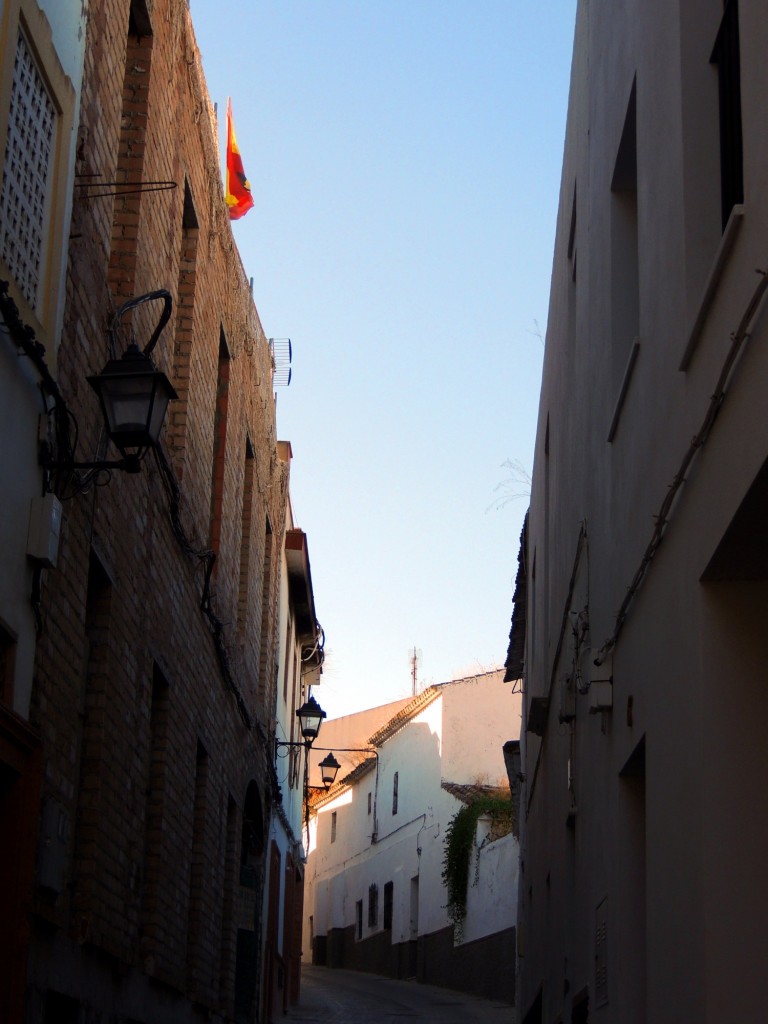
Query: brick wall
x=148, y=746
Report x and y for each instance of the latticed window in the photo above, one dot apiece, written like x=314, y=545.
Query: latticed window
x=26, y=170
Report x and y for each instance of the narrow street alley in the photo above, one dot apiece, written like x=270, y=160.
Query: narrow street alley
x=350, y=997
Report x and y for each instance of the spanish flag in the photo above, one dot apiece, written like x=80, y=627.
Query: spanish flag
x=238, y=188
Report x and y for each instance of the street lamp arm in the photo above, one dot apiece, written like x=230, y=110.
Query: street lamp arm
x=160, y=293
x=359, y=750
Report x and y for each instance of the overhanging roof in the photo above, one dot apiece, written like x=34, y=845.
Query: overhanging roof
x=300, y=584
x=516, y=649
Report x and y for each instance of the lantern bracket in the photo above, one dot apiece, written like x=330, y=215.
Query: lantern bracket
x=160, y=293
x=141, y=430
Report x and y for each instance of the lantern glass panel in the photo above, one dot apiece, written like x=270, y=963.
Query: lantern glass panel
x=128, y=406
x=310, y=717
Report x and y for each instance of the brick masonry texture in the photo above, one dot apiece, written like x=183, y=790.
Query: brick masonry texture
x=146, y=753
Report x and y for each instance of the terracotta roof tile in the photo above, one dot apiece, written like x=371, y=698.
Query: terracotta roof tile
x=404, y=716
x=468, y=793
x=319, y=797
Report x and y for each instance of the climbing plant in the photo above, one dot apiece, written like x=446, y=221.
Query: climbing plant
x=459, y=842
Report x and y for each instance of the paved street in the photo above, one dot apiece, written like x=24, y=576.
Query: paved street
x=349, y=997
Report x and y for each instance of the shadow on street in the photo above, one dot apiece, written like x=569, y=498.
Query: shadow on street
x=331, y=996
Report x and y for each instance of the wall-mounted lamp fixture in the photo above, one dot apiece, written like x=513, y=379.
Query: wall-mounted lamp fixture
x=134, y=396
x=329, y=769
x=310, y=716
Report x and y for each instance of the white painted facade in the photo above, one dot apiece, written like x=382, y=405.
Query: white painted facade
x=492, y=902
x=299, y=668
x=386, y=824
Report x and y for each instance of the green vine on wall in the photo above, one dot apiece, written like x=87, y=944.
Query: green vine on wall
x=459, y=843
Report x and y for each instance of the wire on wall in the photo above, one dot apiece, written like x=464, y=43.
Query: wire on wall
x=66, y=430
x=739, y=339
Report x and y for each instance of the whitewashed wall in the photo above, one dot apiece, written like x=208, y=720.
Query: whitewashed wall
x=492, y=893
x=481, y=714
x=409, y=848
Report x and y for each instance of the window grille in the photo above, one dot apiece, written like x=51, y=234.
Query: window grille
x=28, y=154
x=373, y=905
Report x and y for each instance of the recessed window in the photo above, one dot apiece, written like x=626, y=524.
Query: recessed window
x=625, y=264
x=394, y=793
x=131, y=150
x=726, y=55
x=8, y=663
x=359, y=919
x=369, y=803
x=185, y=317
x=373, y=905
x=389, y=898
x=219, y=445
x=333, y=826
x=246, y=538
x=265, y=645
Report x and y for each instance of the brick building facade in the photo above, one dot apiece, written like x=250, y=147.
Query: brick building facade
x=155, y=666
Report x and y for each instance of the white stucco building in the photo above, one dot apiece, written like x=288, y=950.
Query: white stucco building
x=375, y=899
x=642, y=639
x=299, y=668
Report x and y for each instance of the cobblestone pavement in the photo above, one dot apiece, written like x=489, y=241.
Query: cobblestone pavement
x=331, y=996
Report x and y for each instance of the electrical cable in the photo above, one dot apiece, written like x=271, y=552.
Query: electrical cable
x=739, y=339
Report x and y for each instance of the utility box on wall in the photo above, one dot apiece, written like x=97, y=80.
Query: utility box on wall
x=44, y=530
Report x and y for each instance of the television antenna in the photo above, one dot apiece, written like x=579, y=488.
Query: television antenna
x=414, y=658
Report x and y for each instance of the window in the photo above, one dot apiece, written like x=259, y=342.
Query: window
x=26, y=172
x=199, y=869
x=359, y=919
x=219, y=445
x=580, y=1009
x=8, y=663
x=185, y=316
x=394, y=793
x=389, y=893
x=625, y=263
x=246, y=522
x=265, y=647
x=369, y=803
x=155, y=853
x=130, y=154
x=373, y=905
x=726, y=55
x=333, y=826
x=228, y=906
x=37, y=147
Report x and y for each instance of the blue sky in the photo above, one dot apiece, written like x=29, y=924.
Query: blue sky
x=405, y=159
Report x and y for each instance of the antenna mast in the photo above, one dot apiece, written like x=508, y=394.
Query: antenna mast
x=415, y=659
